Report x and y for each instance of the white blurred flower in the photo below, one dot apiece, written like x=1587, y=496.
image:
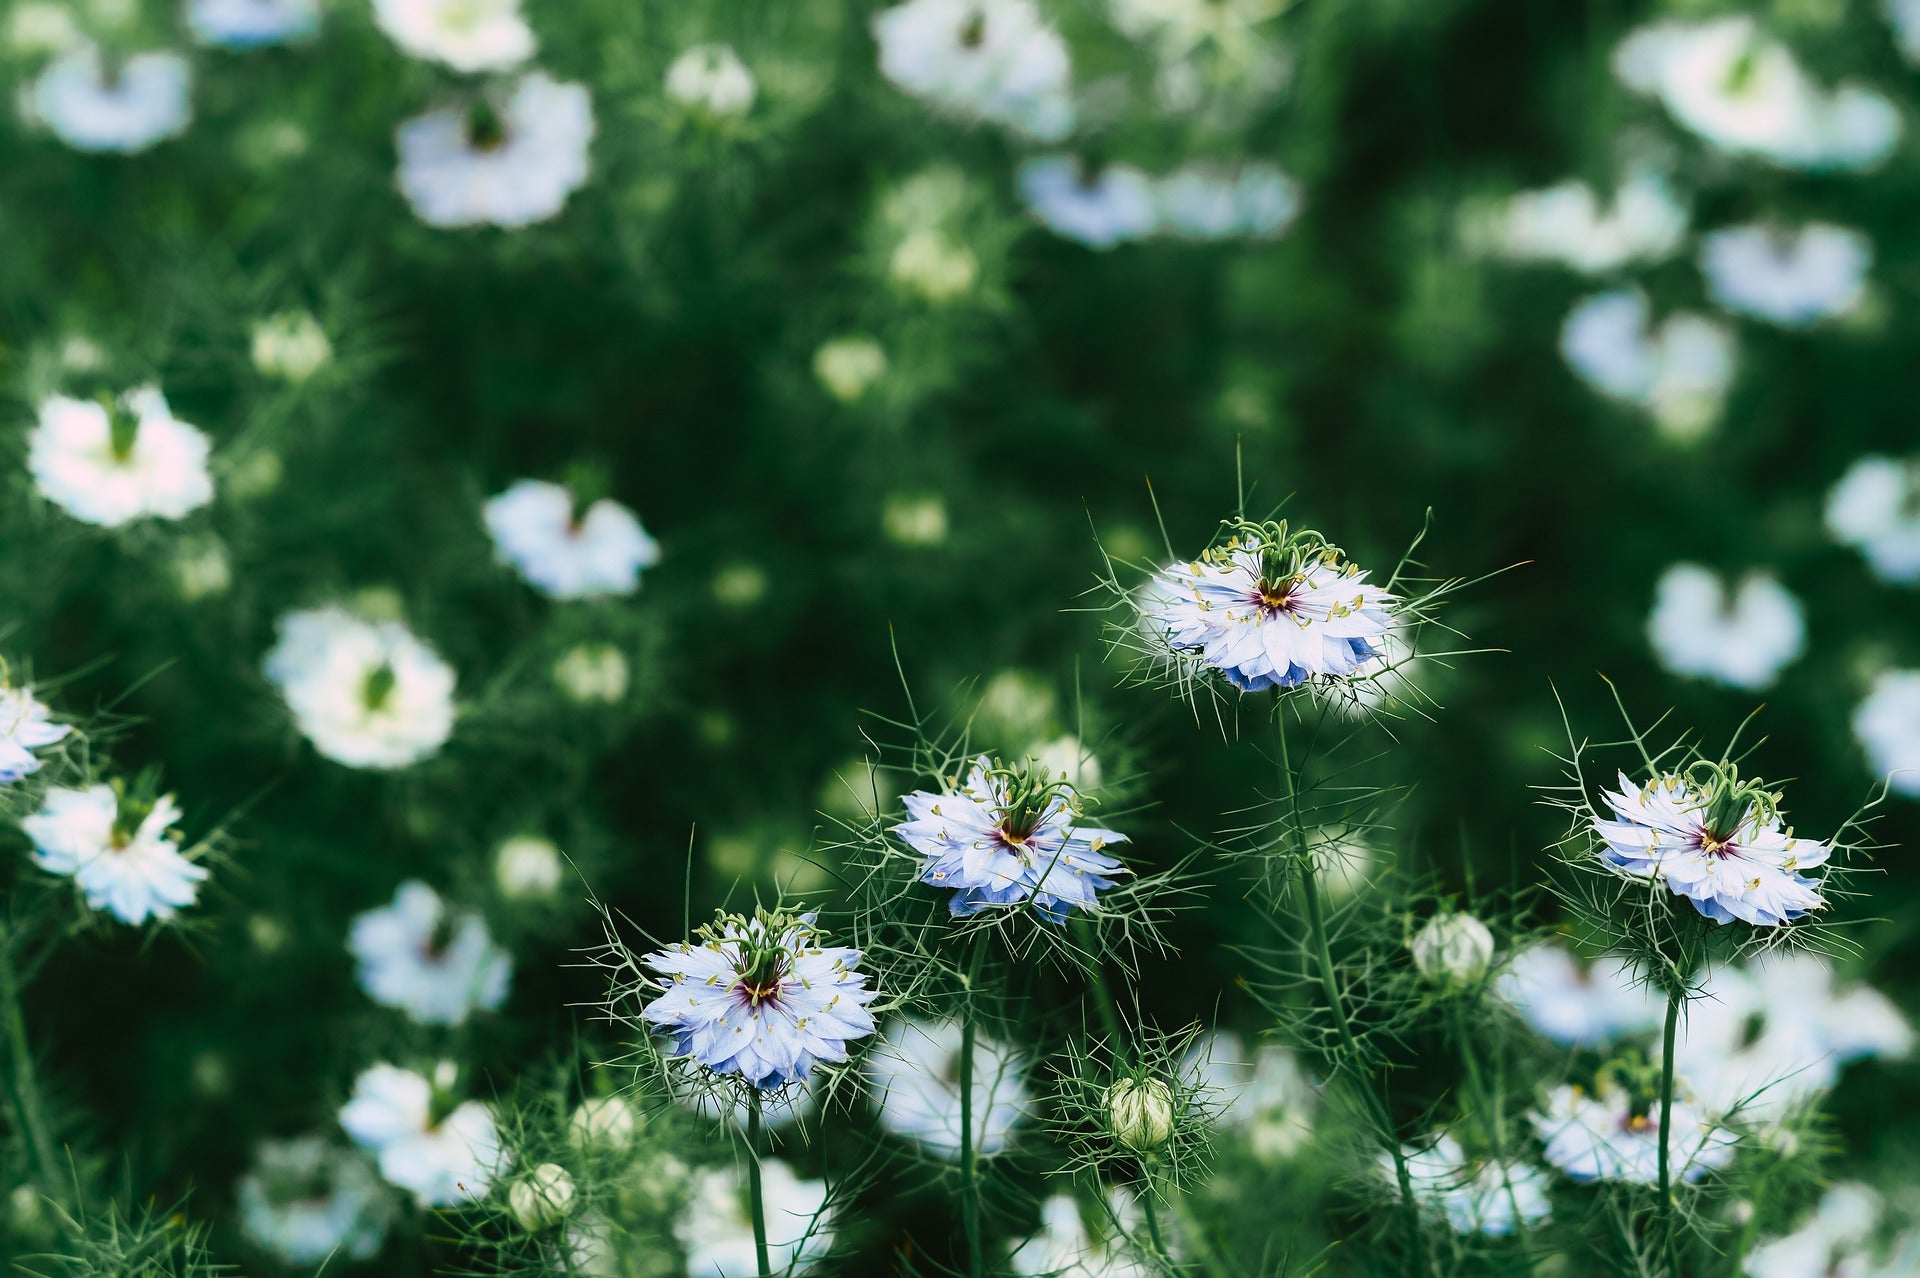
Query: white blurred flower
x=1887, y=725
x=1904, y=17
x=1743, y=92
x=1453, y=949
x=603, y=1122
x=527, y=867
x=36, y=28
x=1793, y=278
x=914, y=519
x=435, y=964
x=290, y=346
x=116, y=843
x=1615, y=1136
x=1568, y=224
x=995, y=60
x=1472, y=1196
x=505, y=163
x=305, y=1200
x=141, y=102
x=1835, y=1243
x=1211, y=202
x=1064, y=1248
x=467, y=35
x=593, y=674
x=1263, y=1094
x=1678, y=372
x=849, y=366
x=436, y=1149
x=711, y=78
x=914, y=1075
x=367, y=694
x=717, y=1232
x=26, y=725
x=1875, y=508
x=252, y=24
x=112, y=464
x=564, y=551
x=1742, y=638
x=1095, y=207
x=1576, y=1006
x=1069, y=757
x=930, y=262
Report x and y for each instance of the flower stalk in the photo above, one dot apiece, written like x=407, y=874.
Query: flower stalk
x=756, y=1194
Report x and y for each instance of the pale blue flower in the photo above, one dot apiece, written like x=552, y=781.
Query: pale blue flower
x=1098, y=208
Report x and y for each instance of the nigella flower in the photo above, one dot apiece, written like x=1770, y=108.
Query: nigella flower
x=1474, y=1196
x=1678, y=371
x=435, y=964
x=367, y=694
x=1714, y=839
x=306, y=1199
x=1614, y=1134
x=1270, y=608
x=1837, y=1242
x=1214, y=202
x=712, y=80
x=116, y=842
x=567, y=548
x=26, y=725
x=1096, y=207
x=761, y=998
x=1875, y=508
x=252, y=24
x=914, y=1075
x=138, y=102
x=1010, y=835
x=1741, y=638
x=1263, y=1093
x=1568, y=224
x=467, y=35
x=425, y=1140
x=1887, y=725
x=996, y=60
x=717, y=1231
x=1794, y=278
x=1575, y=1005
x=109, y=462
x=1066, y=1248
x=506, y=163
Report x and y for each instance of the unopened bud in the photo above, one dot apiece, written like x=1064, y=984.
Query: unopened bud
x=542, y=1198
x=605, y=1122
x=1140, y=1112
x=1454, y=949
x=526, y=867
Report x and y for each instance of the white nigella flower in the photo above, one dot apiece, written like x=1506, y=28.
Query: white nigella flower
x=1269, y=608
x=116, y=843
x=995, y=60
x=306, y=1200
x=1576, y=1006
x=36, y=28
x=711, y=78
x=761, y=998
x=436, y=1148
x=1716, y=840
x=1065, y=1248
x=1793, y=278
x=1887, y=725
x=252, y=24
x=717, y=1231
x=1742, y=638
x=849, y=366
x=1875, y=508
x=1212, y=202
x=1098, y=208
x=26, y=725
x=567, y=550
x=118, y=108
x=467, y=35
x=1835, y=1243
x=1678, y=372
x=1615, y=1135
x=1263, y=1094
x=1008, y=836
x=1765, y=1039
x=435, y=964
x=367, y=694
x=1474, y=1196
x=505, y=163
x=1744, y=93
x=1568, y=224
x=914, y=1075
x=110, y=464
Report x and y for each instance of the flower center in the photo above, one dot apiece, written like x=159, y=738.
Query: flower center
x=973, y=33
x=440, y=939
x=1277, y=596
x=764, y=976
x=486, y=131
x=378, y=687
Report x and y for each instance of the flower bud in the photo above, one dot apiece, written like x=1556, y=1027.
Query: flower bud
x=849, y=366
x=603, y=1122
x=542, y=1199
x=291, y=346
x=933, y=264
x=711, y=78
x=1140, y=1113
x=526, y=867
x=1453, y=949
x=915, y=519
x=593, y=672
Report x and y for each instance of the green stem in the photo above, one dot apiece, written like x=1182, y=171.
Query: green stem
x=22, y=1081
x=1103, y=993
x=1153, y=1225
x=1675, y=996
x=969, y=1177
x=756, y=1196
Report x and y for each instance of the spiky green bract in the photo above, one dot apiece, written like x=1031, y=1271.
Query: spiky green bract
x=155, y=1241
x=1142, y=1068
